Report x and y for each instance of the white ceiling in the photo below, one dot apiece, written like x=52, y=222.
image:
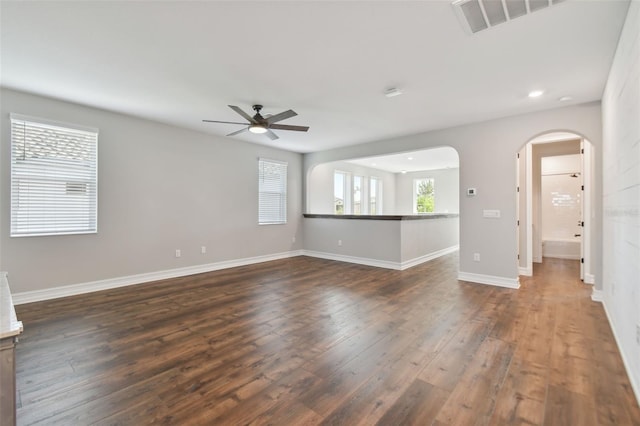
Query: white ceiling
x=179, y=62
x=428, y=159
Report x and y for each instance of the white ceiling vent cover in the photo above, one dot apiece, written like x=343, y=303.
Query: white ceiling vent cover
x=478, y=15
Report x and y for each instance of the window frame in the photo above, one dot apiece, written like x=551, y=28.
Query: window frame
x=375, y=192
x=265, y=206
x=359, y=192
x=52, y=165
x=346, y=199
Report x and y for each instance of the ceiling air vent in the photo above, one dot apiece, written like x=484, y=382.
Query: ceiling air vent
x=478, y=15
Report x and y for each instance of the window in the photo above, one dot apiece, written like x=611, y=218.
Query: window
x=339, y=192
x=375, y=195
x=272, y=192
x=54, y=178
x=423, y=195
x=357, y=194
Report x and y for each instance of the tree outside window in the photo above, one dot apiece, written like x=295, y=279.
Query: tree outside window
x=424, y=196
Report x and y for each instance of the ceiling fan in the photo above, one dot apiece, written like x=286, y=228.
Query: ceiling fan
x=260, y=124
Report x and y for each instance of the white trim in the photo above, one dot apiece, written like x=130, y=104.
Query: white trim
x=627, y=365
x=563, y=256
x=353, y=259
x=525, y=271
x=387, y=264
x=489, y=280
x=54, y=123
x=75, y=289
x=427, y=257
x=528, y=180
x=589, y=279
x=597, y=295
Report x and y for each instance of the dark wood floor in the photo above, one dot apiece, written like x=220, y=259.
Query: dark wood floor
x=311, y=341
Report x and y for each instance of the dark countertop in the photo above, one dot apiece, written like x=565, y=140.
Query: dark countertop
x=382, y=216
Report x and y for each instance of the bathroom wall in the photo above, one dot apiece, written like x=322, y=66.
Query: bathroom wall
x=538, y=152
x=561, y=202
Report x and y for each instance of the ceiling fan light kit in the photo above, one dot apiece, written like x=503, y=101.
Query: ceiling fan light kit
x=257, y=128
x=261, y=125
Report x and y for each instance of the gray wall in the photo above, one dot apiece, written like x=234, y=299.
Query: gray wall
x=423, y=237
x=364, y=239
x=621, y=195
x=160, y=188
x=487, y=153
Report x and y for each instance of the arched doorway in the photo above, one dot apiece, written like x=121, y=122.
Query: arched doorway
x=555, y=192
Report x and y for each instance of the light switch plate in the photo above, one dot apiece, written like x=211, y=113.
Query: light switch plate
x=492, y=214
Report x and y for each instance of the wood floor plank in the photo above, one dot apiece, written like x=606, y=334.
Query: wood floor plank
x=568, y=408
x=474, y=396
x=449, y=365
x=418, y=405
x=521, y=399
x=372, y=399
x=308, y=341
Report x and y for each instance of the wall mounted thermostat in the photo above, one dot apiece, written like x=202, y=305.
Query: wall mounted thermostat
x=471, y=192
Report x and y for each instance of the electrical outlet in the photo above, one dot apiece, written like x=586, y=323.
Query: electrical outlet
x=476, y=257
x=178, y=253
x=339, y=243
x=203, y=250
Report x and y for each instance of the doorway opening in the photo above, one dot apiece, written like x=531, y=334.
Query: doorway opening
x=555, y=187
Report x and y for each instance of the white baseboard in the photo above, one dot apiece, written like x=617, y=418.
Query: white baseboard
x=596, y=295
x=353, y=259
x=526, y=271
x=589, y=279
x=75, y=289
x=427, y=257
x=489, y=280
x=635, y=384
x=563, y=256
x=387, y=264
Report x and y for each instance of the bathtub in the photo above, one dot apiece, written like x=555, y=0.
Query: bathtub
x=561, y=248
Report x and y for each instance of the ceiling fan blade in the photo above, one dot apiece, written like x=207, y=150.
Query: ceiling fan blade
x=282, y=116
x=225, y=122
x=271, y=135
x=238, y=131
x=242, y=113
x=289, y=127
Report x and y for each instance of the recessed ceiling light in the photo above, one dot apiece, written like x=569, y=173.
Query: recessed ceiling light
x=535, y=93
x=373, y=164
x=565, y=98
x=391, y=92
x=409, y=158
x=404, y=172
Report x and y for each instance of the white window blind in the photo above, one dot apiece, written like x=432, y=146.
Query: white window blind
x=54, y=172
x=272, y=198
